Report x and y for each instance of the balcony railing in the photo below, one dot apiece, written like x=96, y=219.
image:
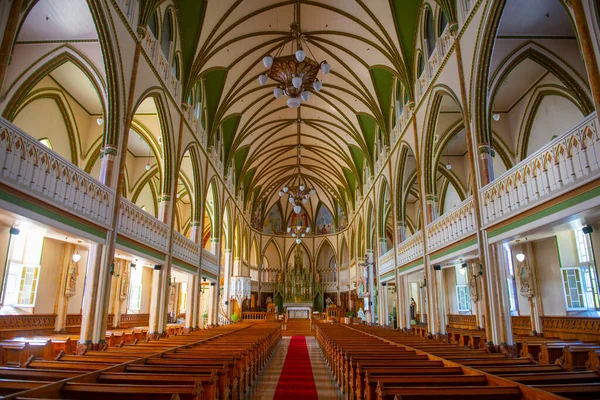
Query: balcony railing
x=130, y=9
x=209, y=262
x=452, y=226
x=386, y=262
x=32, y=168
x=185, y=249
x=410, y=249
x=138, y=225
x=568, y=161
x=155, y=53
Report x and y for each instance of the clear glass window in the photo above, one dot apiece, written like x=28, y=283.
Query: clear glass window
x=462, y=294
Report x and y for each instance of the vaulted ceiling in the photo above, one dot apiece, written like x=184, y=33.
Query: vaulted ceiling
x=369, y=44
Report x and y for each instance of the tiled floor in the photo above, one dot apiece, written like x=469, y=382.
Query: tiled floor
x=264, y=388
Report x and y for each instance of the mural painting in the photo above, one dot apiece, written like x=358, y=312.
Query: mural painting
x=257, y=217
x=324, y=222
x=299, y=219
x=342, y=221
x=273, y=223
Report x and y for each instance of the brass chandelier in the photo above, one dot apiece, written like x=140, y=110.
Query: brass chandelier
x=294, y=73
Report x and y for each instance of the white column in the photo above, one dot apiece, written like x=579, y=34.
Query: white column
x=155, y=301
x=191, y=303
x=64, y=293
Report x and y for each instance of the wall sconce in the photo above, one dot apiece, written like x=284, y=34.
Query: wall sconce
x=226, y=302
x=212, y=284
x=76, y=257
x=480, y=269
x=112, y=270
x=203, y=279
x=520, y=257
x=132, y=265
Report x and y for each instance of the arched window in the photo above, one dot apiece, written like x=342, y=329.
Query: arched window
x=421, y=65
x=429, y=33
x=166, y=39
x=153, y=24
x=443, y=22
x=176, y=67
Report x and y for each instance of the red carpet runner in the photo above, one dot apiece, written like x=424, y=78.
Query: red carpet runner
x=296, y=380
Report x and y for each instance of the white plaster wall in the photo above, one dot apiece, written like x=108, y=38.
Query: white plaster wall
x=549, y=276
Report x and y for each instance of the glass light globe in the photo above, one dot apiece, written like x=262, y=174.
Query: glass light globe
x=294, y=102
x=298, y=241
x=267, y=61
x=307, y=229
x=297, y=82
x=313, y=192
x=520, y=257
x=317, y=85
x=303, y=235
x=297, y=209
x=298, y=227
x=100, y=121
x=281, y=193
x=301, y=187
x=300, y=55
x=291, y=199
x=76, y=257
x=496, y=116
x=293, y=235
x=325, y=67
x=305, y=95
x=289, y=229
x=305, y=200
x=285, y=189
x=277, y=92
x=147, y=167
x=262, y=79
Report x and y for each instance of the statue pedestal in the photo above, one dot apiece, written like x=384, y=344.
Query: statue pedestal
x=297, y=310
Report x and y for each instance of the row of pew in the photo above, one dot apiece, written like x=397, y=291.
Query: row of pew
x=370, y=367
x=549, y=377
x=571, y=354
x=219, y=363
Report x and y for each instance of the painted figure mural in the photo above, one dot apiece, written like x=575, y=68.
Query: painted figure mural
x=273, y=220
x=324, y=222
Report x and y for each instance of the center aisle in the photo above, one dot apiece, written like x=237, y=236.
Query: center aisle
x=296, y=380
x=297, y=370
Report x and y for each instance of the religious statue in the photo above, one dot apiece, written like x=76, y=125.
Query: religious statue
x=472, y=287
x=328, y=301
x=524, y=279
x=317, y=277
x=279, y=277
x=298, y=284
x=269, y=299
x=124, y=284
x=71, y=288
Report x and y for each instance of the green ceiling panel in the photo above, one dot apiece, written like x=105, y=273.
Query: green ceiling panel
x=351, y=181
x=229, y=126
x=239, y=159
x=368, y=125
x=214, y=82
x=358, y=158
x=191, y=16
x=406, y=15
x=383, y=81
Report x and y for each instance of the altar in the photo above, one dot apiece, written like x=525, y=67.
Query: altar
x=297, y=310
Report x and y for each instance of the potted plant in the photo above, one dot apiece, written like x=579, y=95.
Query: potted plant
x=348, y=318
x=235, y=318
x=204, y=318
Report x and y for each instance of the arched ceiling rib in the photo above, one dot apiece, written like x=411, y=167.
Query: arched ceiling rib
x=336, y=129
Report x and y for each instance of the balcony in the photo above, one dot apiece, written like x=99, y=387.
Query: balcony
x=185, y=249
x=130, y=10
x=410, y=249
x=161, y=64
x=210, y=263
x=452, y=226
x=137, y=224
x=567, y=162
x=33, y=169
x=386, y=262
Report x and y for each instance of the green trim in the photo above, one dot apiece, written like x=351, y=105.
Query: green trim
x=208, y=274
x=573, y=201
x=129, y=243
x=185, y=265
x=451, y=249
x=27, y=205
x=388, y=275
x=558, y=252
x=412, y=265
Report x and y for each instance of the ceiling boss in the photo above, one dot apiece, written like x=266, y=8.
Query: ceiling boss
x=295, y=73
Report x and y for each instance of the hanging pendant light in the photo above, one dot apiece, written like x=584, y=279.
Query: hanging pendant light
x=305, y=95
x=76, y=257
x=277, y=92
x=294, y=102
x=317, y=85
x=325, y=67
x=297, y=209
x=297, y=82
x=262, y=79
x=268, y=61
x=298, y=241
x=300, y=55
